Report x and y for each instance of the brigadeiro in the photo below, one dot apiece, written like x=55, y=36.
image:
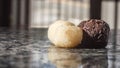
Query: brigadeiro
x=95, y=33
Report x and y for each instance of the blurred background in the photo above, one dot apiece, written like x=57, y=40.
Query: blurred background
x=41, y=13
x=25, y=14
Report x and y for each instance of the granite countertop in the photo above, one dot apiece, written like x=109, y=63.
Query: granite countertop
x=32, y=49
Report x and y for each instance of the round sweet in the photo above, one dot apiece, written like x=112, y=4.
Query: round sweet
x=64, y=34
x=95, y=33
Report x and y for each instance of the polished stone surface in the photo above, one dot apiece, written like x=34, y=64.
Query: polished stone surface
x=32, y=49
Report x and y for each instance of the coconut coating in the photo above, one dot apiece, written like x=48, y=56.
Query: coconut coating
x=64, y=34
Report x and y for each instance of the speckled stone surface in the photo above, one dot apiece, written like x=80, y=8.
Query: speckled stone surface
x=32, y=49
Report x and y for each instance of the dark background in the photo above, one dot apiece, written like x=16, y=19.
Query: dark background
x=5, y=6
x=6, y=13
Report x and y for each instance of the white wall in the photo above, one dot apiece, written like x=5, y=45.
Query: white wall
x=108, y=11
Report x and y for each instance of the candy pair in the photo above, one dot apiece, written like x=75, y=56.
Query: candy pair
x=88, y=34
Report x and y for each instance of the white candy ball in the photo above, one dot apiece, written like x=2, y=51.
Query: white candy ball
x=64, y=34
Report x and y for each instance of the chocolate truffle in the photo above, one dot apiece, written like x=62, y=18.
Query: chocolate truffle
x=95, y=33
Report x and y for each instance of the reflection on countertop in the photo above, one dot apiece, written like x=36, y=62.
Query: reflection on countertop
x=31, y=49
x=68, y=58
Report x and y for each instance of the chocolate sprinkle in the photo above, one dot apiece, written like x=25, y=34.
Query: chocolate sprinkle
x=95, y=33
